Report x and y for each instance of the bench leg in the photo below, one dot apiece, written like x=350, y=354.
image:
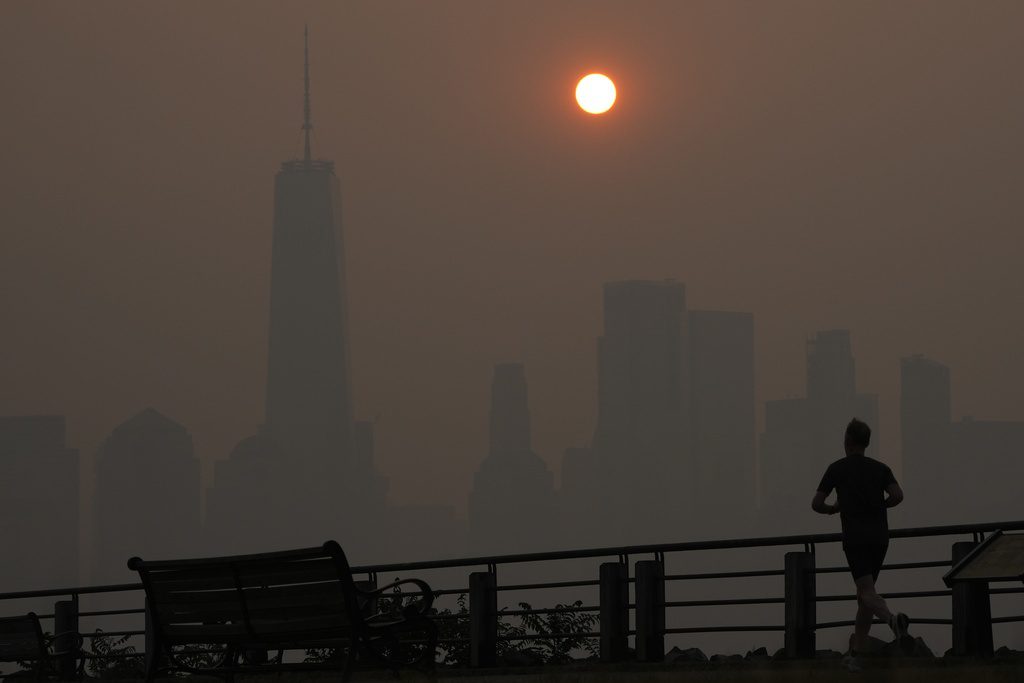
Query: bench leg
x=350, y=660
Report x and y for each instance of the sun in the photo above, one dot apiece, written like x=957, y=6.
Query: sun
x=595, y=93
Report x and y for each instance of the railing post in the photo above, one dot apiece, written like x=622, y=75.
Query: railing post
x=650, y=611
x=483, y=619
x=614, y=587
x=972, y=612
x=65, y=627
x=801, y=605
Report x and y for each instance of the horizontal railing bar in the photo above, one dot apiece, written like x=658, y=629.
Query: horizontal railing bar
x=903, y=565
x=111, y=612
x=77, y=590
x=726, y=602
x=1005, y=591
x=916, y=620
x=1007, y=620
x=619, y=551
x=905, y=594
x=556, y=584
x=552, y=636
x=725, y=629
x=548, y=610
x=659, y=548
x=724, y=575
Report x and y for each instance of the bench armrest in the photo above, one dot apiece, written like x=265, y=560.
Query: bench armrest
x=419, y=608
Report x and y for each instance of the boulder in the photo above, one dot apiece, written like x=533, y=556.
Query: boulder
x=690, y=654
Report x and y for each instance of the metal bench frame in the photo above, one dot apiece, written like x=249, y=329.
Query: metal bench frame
x=295, y=599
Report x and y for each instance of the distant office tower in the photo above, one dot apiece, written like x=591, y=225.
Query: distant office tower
x=803, y=435
x=512, y=504
x=245, y=508
x=988, y=467
x=955, y=472
x=722, y=408
x=147, y=495
x=641, y=440
x=38, y=504
x=579, y=499
x=324, y=485
x=925, y=422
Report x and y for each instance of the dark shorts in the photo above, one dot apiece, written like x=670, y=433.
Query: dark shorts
x=865, y=559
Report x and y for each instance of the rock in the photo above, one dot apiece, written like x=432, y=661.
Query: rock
x=779, y=654
x=690, y=654
x=828, y=654
x=758, y=654
x=726, y=658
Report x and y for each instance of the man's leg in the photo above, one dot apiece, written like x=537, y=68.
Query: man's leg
x=869, y=605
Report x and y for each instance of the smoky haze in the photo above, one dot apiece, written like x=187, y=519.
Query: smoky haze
x=821, y=166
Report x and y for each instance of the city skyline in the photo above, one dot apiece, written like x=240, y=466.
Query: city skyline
x=458, y=270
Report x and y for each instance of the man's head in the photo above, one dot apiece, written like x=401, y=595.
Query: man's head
x=858, y=436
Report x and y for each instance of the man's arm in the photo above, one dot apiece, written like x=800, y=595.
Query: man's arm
x=820, y=506
x=895, y=495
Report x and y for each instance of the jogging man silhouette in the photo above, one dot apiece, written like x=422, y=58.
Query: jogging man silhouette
x=865, y=489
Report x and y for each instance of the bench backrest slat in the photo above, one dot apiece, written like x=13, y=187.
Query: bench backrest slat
x=300, y=594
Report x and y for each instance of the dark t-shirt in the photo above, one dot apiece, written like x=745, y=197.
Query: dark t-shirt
x=860, y=483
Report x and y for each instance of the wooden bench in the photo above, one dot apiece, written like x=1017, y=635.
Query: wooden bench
x=290, y=600
x=22, y=640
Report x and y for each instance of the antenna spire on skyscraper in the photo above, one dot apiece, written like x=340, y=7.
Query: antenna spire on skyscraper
x=307, y=122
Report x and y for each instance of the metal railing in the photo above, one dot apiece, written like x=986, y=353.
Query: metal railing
x=631, y=601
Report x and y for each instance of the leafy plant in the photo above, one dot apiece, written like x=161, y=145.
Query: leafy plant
x=113, y=657
x=560, y=633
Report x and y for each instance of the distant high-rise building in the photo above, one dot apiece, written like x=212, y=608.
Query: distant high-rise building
x=512, y=504
x=954, y=472
x=324, y=485
x=925, y=420
x=803, y=435
x=38, y=504
x=147, y=495
x=642, y=436
x=722, y=418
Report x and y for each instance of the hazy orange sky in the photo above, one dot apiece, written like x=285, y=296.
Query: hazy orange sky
x=821, y=164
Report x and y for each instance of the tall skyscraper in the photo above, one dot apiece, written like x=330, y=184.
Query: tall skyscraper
x=512, y=504
x=641, y=444
x=309, y=397
x=722, y=417
x=803, y=435
x=38, y=504
x=954, y=472
x=925, y=421
x=147, y=495
x=323, y=483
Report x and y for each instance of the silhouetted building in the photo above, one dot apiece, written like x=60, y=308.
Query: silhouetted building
x=925, y=422
x=512, y=503
x=954, y=472
x=721, y=348
x=38, y=504
x=246, y=506
x=324, y=482
x=641, y=441
x=147, y=495
x=579, y=498
x=803, y=435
